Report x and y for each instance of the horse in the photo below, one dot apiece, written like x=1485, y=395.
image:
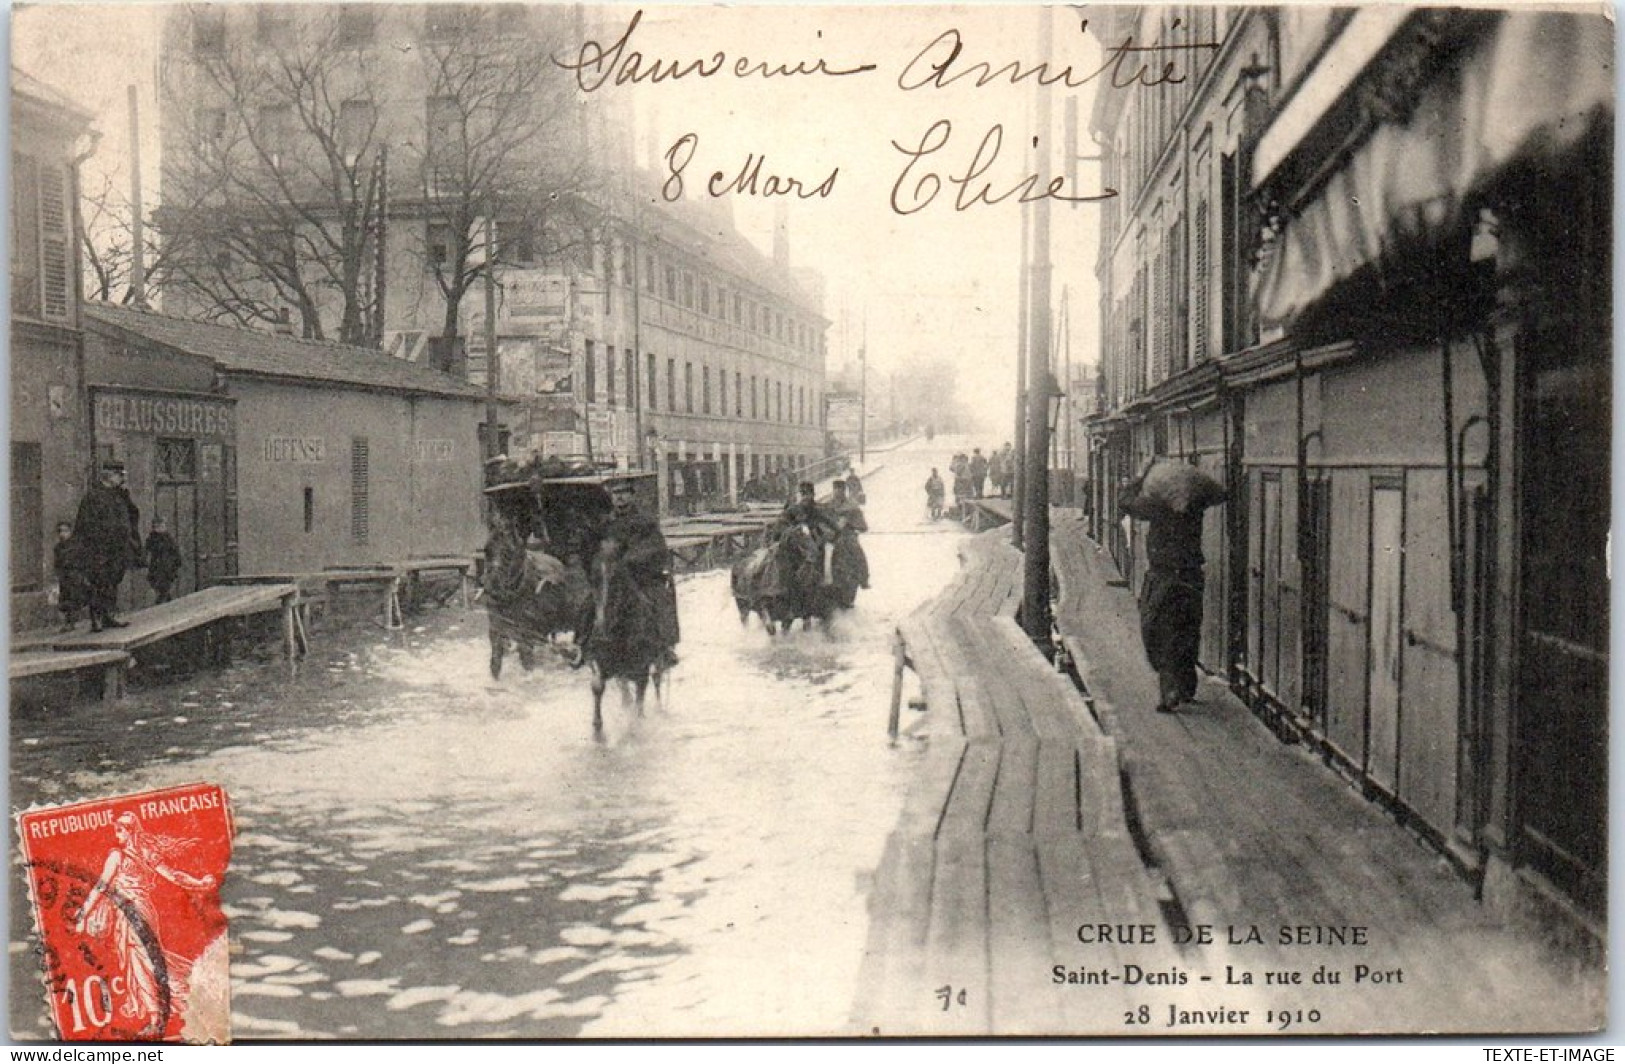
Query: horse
x=783, y=582
x=626, y=641
x=530, y=597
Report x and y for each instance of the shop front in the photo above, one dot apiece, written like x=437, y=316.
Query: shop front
x=180, y=457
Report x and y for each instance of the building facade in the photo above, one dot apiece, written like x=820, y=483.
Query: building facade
x=1382, y=319
x=49, y=445
x=639, y=332
x=272, y=454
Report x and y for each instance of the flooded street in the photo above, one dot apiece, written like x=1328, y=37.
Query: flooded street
x=424, y=852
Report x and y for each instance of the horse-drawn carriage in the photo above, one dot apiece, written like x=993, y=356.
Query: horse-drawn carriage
x=549, y=571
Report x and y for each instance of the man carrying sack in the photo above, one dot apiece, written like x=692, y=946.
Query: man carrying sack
x=1171, y=497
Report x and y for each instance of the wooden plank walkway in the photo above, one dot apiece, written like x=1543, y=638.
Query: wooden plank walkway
x=111, y=664
x=1249, y=831
x=1013, y=836
x=156, y=623
x=712, y=540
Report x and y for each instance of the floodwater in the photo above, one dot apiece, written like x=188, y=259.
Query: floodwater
x=424, y=852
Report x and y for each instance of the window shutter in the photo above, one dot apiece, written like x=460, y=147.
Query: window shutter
x=359, y=504
x=56, y=234
x=1202, y=284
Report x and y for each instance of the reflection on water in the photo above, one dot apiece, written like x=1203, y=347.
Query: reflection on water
x=425, y=852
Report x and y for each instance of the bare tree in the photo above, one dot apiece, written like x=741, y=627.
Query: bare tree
x=107, y=235
x=276, y=197
x=272, y=199
x=502, y=143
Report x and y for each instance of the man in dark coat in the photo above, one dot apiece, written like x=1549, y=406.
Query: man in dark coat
x=849, y=558
x=806, y=510
x=978, y=474
x=633, y=538
x=108, y=531
x=1171, y=595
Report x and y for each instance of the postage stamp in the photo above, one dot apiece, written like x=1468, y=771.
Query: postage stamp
x=130, y=934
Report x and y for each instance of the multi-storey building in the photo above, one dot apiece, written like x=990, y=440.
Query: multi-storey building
x=50, y=452
x=647, y=333
x=1359, y=269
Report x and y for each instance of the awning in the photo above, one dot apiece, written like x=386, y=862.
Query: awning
x=1528, y=91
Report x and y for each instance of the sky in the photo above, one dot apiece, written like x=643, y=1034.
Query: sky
x=910, y=278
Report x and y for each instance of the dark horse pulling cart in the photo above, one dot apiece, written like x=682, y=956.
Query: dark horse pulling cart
x=565, y=582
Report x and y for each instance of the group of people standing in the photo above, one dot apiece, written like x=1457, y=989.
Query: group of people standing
x=975, y=473
x=92, y=554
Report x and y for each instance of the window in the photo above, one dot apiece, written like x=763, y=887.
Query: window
x=591, y=383
x=516, y=239
x=705, y=389
x=441, y=117
x=439, y=244
x=211, y=130
x=1201, y=284
x=273, y=25
x=27, y=517
x=671, y=283
x=274, y=133
x=753, y=406
x=688, y=387
x=671, y=385
x=609, y=374
x=175, y=461
x=633, y=401
x=41, y=284
x=444, y=139
x=446, y=22
x=357, y=119
x=356, y=25
x=359, y=505
x=705, y=297
x=739, y=395
x=650, y=275
x=310, y=509
x=208, y=30
x=688, y=289
x=649, y=386
x=739, y=309
x=722, y=392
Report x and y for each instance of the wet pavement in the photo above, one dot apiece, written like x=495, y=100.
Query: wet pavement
x=424, y=852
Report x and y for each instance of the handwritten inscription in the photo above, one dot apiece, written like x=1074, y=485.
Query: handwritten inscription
x=1127, y=65
x=916, y=190
x=936, y=168
x=748, y=180
x=597, y=65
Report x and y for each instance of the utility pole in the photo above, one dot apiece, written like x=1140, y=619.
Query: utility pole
x=492, y=368
x=636, y=382
x=138, y=240
x=1035, y=603
x=380, y=247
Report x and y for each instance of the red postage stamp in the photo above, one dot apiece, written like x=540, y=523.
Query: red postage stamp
x=126, y=897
